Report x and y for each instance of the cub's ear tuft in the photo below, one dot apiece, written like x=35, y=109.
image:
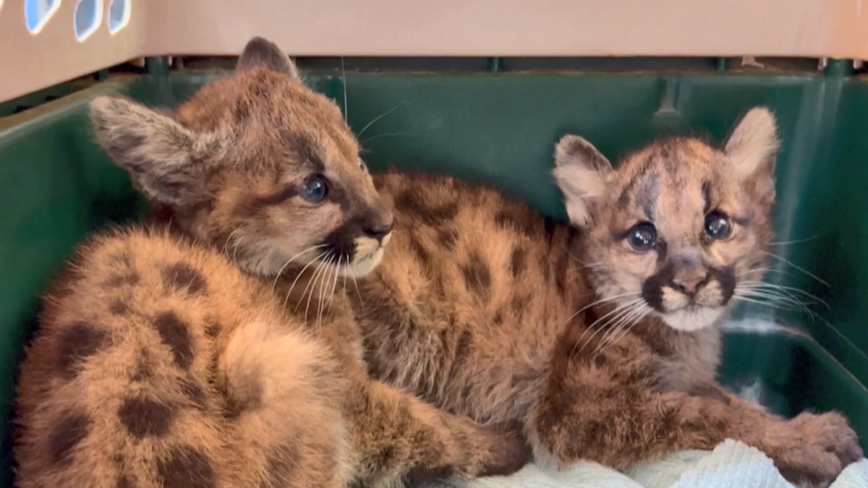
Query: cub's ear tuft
x=750, y=152
x=580, y=172
x=166, y=161
x=262, y=53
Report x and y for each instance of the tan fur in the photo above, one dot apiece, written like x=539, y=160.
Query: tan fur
x=487, y=309
x=168, y=362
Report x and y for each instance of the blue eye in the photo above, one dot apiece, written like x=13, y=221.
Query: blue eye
x=717, y=225
x=642, y=236
x=314, y=189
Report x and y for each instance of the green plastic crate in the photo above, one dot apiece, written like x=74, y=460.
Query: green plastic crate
x=56, y=186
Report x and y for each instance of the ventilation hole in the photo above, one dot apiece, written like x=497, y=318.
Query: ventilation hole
x=88, y=15
x=38, y=12
x=119, y=15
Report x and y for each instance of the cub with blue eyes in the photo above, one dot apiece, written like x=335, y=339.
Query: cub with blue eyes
x=219, y=351
x=601, y=335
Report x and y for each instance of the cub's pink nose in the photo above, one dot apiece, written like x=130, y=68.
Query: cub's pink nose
x=690, y=286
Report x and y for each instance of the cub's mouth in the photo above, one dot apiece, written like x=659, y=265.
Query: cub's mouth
x=368, y=255
x=689, y=300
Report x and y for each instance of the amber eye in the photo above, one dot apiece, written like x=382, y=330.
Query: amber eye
x=363, y=165
x=642, y=236
x=717, y=225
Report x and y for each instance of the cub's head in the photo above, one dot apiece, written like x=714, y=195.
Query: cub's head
x=679, y=226
x=256, y=164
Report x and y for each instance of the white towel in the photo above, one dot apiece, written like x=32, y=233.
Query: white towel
x=731, y=464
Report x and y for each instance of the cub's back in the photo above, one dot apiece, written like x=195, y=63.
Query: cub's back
x=123, y=383
x=472, y=268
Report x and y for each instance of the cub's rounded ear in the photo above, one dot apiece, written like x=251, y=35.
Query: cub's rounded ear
x=580, y=172
x=166, y=161
x=262, y=53
x=750, y=152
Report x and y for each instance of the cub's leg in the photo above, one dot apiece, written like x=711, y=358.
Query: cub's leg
x=606, y=408
x=285, y=395
x=399, y=437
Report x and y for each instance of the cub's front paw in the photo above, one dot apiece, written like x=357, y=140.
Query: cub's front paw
x=820, y=447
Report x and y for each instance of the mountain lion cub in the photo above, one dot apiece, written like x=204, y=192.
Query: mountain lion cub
x=602, y=336
x=163, y=362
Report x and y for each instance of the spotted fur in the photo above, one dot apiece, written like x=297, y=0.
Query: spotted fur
x=602, y=350
x=182, y=354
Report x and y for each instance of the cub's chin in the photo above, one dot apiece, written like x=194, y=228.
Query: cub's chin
x=362, y=265
x=692, y=317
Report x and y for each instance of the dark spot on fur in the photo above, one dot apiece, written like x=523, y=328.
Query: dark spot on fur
x=462, y=350
x=175, y=333
x=143, y=370
x=118, y=459
x=77, y=343
x=242, y=110
x=669, y=424
x=144, y=417
x=183, y=276
x=498, y=317
x=130, y=278
x=124, y=482
x=281, y=464
x=516, y=261
x=212, y=328
x=463, y=345
x=447, y=238
x=67, y=433
x=117, y=307
x=513, y=219
x=186, y=467
x=411, y=203
x=194, y=392
x=519, y=303
x=419, y=250
x=476, y=275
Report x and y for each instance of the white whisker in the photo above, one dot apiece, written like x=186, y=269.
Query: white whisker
x=314, y=248
x=639, y=312
x=797, y=241
x=299, y=275
x=598, y=302
x=346, y=102
x=375, y=119
x=808, y=273
x=618, y=312
x=385, y=135
x=320, y=270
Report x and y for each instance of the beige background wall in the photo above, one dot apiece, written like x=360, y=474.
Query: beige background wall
x=803, y=28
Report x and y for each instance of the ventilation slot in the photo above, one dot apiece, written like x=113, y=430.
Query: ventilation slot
x=37, y=13
x=88, y=15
